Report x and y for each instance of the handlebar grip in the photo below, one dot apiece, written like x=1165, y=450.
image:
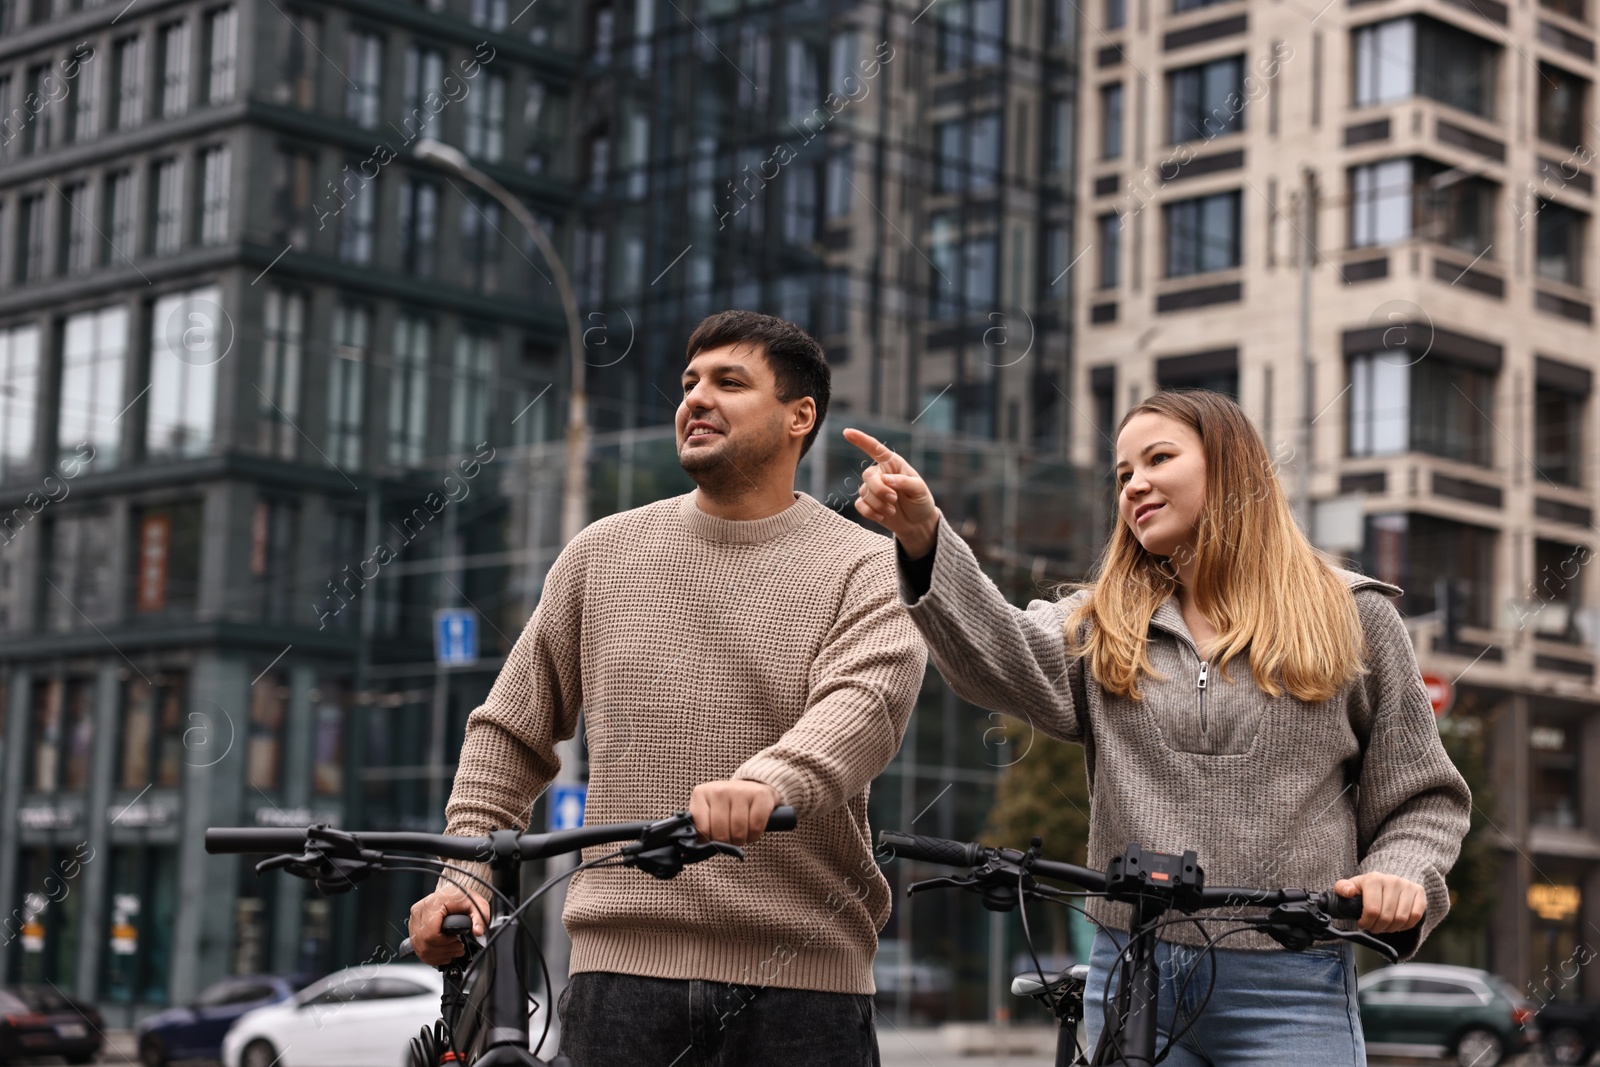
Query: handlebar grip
x=783, y=817
x=1343, y=907
x=254, y=839
x=930, y=849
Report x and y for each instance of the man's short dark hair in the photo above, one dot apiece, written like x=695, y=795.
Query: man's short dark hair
x=795, y=356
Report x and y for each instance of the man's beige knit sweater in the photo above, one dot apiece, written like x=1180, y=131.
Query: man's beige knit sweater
x=701, y=649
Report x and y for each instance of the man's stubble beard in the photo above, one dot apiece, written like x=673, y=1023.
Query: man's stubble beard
x=735, y=468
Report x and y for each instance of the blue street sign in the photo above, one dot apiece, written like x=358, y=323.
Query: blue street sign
x=455, y=637
x=566, y=805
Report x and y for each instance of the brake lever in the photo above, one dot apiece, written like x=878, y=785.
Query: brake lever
x=1368, y=940
x=944, y=881
x=1299, y=925
x=671, y=844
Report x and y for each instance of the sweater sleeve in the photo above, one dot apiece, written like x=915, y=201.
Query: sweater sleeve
x=1412, y=806
x=861, y=689
x=508, y=754
x=992, y=653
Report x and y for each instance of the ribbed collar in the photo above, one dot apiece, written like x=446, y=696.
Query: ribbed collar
x=748, y=531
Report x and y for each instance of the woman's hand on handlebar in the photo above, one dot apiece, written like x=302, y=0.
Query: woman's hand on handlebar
x=431, y=945
x=734, y=811
x=1390, y=903
x=893, y=495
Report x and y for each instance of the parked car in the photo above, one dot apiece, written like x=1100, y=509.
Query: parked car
x=194, y=1031
x=1424, y=1009
x=42, y=1021
x=1571, y=1031
x=362, y=1016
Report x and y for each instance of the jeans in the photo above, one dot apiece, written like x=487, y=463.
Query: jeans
x=621, y=1019
x=1268, y=1008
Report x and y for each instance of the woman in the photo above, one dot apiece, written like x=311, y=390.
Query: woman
x=1235, y=695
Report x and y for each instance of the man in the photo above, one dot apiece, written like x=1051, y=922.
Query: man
x=736, y=648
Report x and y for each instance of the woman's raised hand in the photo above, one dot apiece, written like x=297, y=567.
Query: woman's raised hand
x=893, y=494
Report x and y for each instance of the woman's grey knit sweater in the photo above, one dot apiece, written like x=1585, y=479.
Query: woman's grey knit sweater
x=1270, y=792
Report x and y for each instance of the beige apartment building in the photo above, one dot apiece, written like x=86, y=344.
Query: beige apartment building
x=1397, y=194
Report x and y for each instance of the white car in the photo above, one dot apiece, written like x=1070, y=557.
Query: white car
x=362, y=1016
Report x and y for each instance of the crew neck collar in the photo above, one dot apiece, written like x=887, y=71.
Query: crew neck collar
x=746, y=531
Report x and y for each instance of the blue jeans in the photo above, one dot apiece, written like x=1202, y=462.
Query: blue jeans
x=1268, y=1008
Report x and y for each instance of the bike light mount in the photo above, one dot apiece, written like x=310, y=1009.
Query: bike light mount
x=1140, y=874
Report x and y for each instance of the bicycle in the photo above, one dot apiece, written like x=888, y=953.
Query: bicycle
x=1154, y=883
x=485, y=1006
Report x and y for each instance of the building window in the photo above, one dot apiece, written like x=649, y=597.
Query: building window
x=838, y=193
x=1110, y=227
x=190, y=333
x=1558, y=591
x=214, y=186
x=121, y=214
x=1400, y=402
x=1380, y=203
x=1202, y=234
x=49, y=928
x=1441, y=564
x=222, y=54
x=424, y=74
x=31, y=239
x=273, y=531
x=269, y=699
x=490, y=14
x=800, y=206
x=278, y=394
x=41, y=89
x=174, y=69
x=63, y=728
x=1558, y=435
x=1554, y=770
x=8, y=116
x=1180, y=6
x=1207, y=100
x=74, y=216
x=970, y=33
x=297, y=67
x=1116, y=17
x=419, y=221
x=950, y=138
x=1560, y=240
x=1111, y=121
x=1573, y=9
x=327, y=740
x=19, y=389
x=94, y=352
x=128, y=70
x=83, y=120
x=355, y=221
x=486, y=119
x=408, y=390
x=1563, y=98
x=168, y=576
x=166, y=233
x=363, y=55
x=293, y=175
x=1419, y=56
x=469, y=404
x=79, y=557
x=347, y=385
x=480, y=241
x=153, y=724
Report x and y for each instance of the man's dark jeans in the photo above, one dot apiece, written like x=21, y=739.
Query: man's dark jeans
x=620, y=1020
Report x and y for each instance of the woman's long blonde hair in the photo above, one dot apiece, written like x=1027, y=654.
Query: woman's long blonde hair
x=1256, y=577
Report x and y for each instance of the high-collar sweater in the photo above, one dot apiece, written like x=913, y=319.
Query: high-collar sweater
x=700, y=649
x=1271, y=792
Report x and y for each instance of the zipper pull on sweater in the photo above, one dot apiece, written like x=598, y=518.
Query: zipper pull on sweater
x=1200, y=684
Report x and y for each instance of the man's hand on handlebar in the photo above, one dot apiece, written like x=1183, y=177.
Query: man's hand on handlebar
x=733, y=811
x=1390, y=903
x=431, y=945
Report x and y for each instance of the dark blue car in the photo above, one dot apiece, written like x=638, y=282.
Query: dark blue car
x=194, y=1031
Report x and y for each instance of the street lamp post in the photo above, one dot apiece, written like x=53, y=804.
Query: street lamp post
x=575, y=496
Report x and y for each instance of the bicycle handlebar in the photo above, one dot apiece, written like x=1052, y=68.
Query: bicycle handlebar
x=251, y=839
x=949, y=853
